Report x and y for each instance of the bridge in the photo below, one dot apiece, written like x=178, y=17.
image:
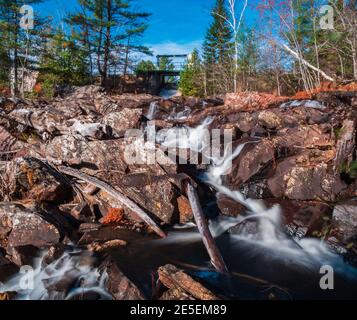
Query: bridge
x=167, y=76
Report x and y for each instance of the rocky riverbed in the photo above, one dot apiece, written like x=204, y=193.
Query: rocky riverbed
x=94, y=225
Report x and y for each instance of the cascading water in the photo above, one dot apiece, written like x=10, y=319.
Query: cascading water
x=43, y=281
x=152, y=110
x=261, y=253
x=271, y=236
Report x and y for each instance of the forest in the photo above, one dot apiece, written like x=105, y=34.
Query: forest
x=289, y=47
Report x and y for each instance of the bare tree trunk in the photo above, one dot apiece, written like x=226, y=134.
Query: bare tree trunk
x=107, y=43
x=126, y=57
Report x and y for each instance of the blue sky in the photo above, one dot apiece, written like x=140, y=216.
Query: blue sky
x=176, y=26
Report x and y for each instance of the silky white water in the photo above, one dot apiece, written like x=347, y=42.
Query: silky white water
x=43, y=282
x=152, y=110
x=270, y=238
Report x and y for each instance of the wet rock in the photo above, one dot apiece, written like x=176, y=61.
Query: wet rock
x=7, y=268
x=229, y=207
x=174, y=278
x=253, y=159
x=344, y=218
x=107, y=234
x=27, y=178
x=21, y=227
x=109, y=245
x=118, y=285
x=53, y=254
x=302, y=218
x=123, y=120
x=247, y=228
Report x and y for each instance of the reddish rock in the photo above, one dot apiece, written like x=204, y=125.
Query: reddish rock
x=185, y=209
x=118, y=285
x=344, y=218
x=21, y=227
x=27, y=178
x=304, y=177
x=123, y=120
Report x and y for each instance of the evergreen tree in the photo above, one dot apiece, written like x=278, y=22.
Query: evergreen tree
x=5, y=65
x=22, y=45
x=166, y=63
x=145, y=65
x=218, y=50
x=63, y=63
x=108, y=29
x=191, y=82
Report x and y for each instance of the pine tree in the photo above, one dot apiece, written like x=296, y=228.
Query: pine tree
x=108, y=29
x=166, y=63
x=63, y=63
x=23, y=46
x=191, y=81
x=217, y=50
x=145, y=65
x=5, y=66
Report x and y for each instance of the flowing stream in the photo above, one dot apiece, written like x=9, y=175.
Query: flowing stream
x=292, y=266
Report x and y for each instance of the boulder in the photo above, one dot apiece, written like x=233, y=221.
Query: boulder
x=118, y=285
x=28, y=178
x=344, y=218
x=123, y=120
x=306, y=177
x=21, y=227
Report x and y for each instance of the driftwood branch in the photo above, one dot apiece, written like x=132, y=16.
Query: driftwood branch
x=202, y=225
x=174, y=278
x=114, y=193
x=306, y=63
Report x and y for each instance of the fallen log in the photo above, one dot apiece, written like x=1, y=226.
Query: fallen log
x=174, y=278
x=208, y=240
x=114, y=193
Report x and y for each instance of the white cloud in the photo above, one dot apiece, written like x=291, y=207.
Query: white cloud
x=175, y=47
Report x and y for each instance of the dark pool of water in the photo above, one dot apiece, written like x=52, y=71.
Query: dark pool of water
x=288, y=277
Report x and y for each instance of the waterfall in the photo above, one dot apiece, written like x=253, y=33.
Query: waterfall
x=152, y=110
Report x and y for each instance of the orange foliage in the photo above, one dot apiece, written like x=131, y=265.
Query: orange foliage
x=38, y=88
x=4, y=90
x=253, y=101
x=326, y=87
x=114, y=215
